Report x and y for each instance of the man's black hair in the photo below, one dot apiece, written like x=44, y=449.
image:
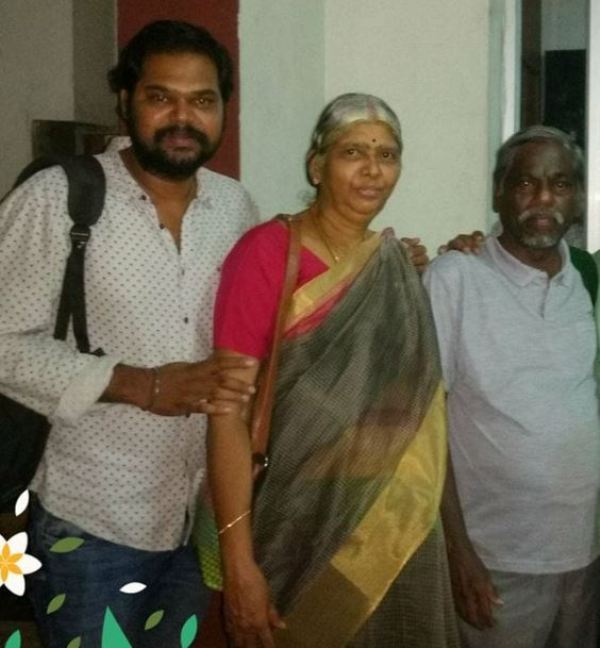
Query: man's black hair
x=170, y=37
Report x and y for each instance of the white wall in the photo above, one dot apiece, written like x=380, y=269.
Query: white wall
x=428, y=59
x=36, y=75
x=282, y=89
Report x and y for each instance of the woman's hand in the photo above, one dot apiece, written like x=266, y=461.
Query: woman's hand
x=250, y=616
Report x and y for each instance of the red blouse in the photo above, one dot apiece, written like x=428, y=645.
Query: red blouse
x=250, y=288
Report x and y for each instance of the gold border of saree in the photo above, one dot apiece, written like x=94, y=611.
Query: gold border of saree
x=332, y=609
x=325, y=287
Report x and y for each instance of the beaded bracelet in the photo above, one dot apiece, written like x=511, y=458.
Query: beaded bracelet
x=154, y=388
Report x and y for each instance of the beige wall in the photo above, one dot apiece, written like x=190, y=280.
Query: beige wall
x=36, y=75
x=94, y=53
x=282, y=88
x=428, y=58
x=53, y=60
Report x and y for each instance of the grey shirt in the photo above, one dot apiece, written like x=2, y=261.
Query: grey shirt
x=518, y=353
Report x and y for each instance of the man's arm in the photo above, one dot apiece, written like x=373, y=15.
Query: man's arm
x=50, y=376
x=181, y=388
x=35, y=368
x=474, y=592
x=209, y=386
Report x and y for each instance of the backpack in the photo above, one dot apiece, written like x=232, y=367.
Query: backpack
x=585, y=264
x=23, y=432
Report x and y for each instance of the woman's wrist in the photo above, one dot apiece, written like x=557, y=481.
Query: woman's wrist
x=233, y=522
x=237, y=555
x=239, y=568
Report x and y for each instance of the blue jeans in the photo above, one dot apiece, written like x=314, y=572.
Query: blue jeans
x=91, y=577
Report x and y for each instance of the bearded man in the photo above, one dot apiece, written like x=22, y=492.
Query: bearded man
x=125, y=456
x=518, y=343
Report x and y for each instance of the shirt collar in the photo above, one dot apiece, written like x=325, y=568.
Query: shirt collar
x=128, y=184
x=522, y=274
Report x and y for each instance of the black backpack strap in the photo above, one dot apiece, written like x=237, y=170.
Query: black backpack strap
x=87, y=188
x=585, y=264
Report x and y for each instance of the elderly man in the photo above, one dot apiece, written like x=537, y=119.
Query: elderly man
x=518, y=343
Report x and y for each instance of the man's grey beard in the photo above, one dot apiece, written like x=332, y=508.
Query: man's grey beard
x=542, y=241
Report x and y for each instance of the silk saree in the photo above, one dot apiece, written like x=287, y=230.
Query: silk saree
x=346, y=517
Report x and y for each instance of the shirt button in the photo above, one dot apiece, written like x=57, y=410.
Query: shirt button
x=161, y=225
x=143, y=197
x=186, y=320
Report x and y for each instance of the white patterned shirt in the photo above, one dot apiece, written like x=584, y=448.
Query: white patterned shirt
x=118, y=472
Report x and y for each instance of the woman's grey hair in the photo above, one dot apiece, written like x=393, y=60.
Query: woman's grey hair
x=345, y=110
x=506, y=153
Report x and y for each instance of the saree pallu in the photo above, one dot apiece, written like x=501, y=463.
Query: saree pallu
x=345, y=519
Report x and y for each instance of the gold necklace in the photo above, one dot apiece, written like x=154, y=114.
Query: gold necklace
x=327, y=241
x=336, y=257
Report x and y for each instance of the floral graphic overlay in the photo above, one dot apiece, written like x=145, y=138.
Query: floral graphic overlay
x=22, y=503
x=14, y=641
x=15, y=564
x=133, y=588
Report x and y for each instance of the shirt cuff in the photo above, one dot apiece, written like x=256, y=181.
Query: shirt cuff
x=85, y=389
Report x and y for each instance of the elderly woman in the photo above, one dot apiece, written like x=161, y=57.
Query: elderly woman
x=340, y=544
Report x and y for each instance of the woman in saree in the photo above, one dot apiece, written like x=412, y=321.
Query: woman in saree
x=339, y=544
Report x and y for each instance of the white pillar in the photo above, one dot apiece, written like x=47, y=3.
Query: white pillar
x=593, y=127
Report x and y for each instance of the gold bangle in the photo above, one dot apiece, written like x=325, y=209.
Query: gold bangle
x=234, y=522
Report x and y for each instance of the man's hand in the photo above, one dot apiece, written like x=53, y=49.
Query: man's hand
x=250, y=617
x=474, y=592
x=182, y=388
x=466, y=243
x=417, y=253
x=204, y=387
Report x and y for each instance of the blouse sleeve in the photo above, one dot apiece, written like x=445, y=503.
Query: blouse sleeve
x=249, y=291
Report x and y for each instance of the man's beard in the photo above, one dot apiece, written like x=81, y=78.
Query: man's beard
x=541, y=240
x=154, y=159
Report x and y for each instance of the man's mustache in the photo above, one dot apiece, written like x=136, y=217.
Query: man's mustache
x=541, y=213
x=186, y=131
